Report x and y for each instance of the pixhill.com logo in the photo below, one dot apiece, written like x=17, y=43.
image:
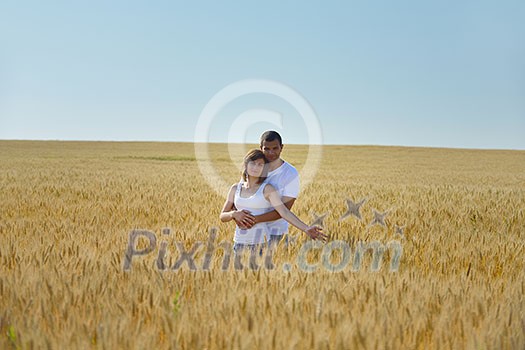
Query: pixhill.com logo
x=311, y=256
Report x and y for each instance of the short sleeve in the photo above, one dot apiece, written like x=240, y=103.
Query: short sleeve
x=292, y=185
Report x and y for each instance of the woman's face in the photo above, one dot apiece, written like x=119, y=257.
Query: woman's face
x=255, y=167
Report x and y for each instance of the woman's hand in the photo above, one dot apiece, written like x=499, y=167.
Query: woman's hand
x=244, y=219
x=315, y=232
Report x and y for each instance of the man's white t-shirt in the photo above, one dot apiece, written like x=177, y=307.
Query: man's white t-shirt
x=286, y=181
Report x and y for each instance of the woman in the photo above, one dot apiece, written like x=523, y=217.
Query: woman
x=258, y=197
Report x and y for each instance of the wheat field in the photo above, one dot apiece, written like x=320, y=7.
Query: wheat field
x=67, y=210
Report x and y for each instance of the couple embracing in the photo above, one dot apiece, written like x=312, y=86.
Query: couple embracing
x=260, y=203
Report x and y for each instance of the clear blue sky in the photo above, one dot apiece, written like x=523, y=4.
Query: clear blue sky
x=414, y=73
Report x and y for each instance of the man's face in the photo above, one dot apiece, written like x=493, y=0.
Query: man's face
x=272, y=150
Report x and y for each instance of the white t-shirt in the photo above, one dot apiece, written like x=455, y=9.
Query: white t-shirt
x=257, y=205
x=285, y=179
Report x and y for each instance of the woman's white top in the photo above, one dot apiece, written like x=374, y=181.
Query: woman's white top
x=257, y=205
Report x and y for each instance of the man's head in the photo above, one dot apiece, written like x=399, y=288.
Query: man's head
x=271, y=145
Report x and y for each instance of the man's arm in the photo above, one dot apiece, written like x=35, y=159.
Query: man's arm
x=274, y=215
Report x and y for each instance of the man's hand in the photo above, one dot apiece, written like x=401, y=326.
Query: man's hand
x=244, y=219
x=315, y=232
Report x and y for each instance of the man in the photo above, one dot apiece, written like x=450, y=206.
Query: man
x=285, y=178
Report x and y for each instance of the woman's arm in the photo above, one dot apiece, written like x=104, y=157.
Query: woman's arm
x=274, y=215
x=242, y=218
x=273, y=197
x=227, y=208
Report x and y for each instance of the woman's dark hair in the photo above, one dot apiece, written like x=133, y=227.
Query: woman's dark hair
x=252, y=155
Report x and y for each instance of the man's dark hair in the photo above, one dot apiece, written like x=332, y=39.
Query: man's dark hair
x=271, y=136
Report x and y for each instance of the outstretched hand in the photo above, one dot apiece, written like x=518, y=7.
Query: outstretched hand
x=244, y=219
x=316, y=232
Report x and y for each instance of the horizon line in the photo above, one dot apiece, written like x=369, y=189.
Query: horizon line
x=284, y=143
